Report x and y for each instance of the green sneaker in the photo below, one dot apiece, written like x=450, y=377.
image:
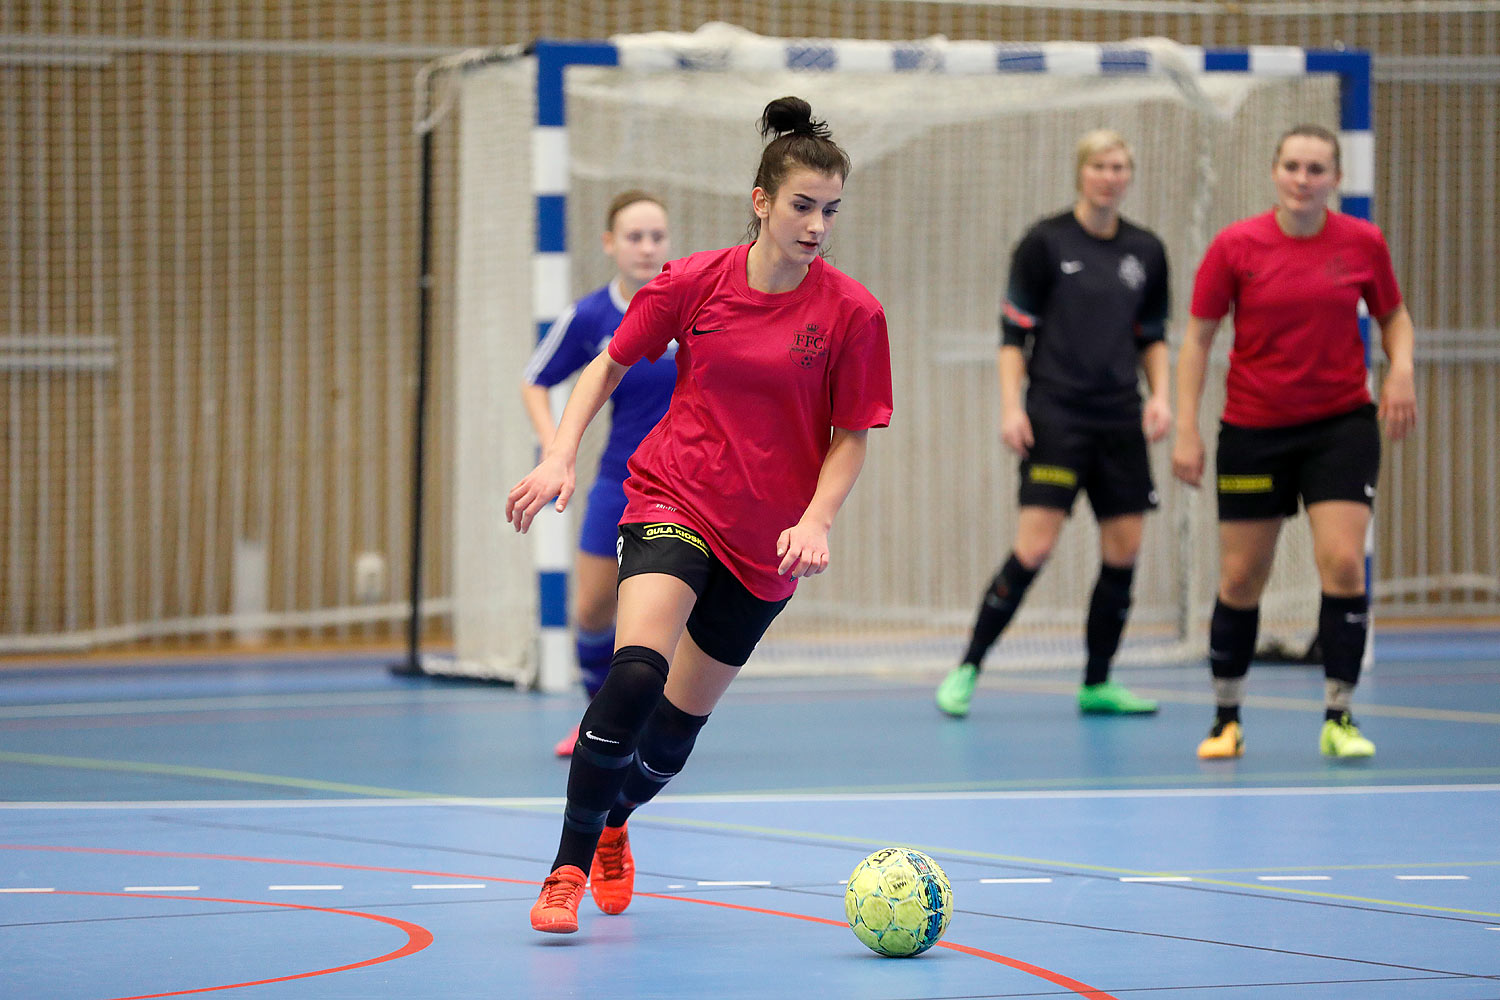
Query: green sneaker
x=957, y=690
x=1341, y=738
x=1110, y=698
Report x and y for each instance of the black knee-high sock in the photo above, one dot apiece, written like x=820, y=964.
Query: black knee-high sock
x=1108, y=608
x=607, y=740
x=1343, y=628
x=1001, y=599
x=1231, y=647
x=665, y=745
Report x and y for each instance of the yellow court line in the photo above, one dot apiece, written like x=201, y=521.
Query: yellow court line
x=940, y=850
x=1320, y=777
x=1174, y=695
x=1387, y=866
x=218, y=774
x=97, y=764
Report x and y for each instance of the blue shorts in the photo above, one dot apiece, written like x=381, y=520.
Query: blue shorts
x=601, y=518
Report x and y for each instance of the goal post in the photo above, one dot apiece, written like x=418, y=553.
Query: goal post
x=957, y=147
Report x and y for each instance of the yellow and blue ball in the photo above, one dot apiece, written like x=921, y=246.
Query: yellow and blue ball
x=898, y=902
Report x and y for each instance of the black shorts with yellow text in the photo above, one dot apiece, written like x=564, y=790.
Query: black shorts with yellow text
x=727, y=621
x=1264, y=471
x=1108, y=462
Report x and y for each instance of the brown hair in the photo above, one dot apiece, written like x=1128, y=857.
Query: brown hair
x=624, y=200
x=1307, y=131
x=800, y=141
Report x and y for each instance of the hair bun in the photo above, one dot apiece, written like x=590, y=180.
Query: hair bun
x=791, y=115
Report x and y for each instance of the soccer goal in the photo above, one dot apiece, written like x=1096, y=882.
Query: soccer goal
x=957, y=148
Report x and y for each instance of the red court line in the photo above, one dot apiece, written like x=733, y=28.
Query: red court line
x=258, y=861
x=1056, y=978
x=417, y=938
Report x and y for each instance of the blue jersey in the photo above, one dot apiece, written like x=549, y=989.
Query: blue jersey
x=640, y=400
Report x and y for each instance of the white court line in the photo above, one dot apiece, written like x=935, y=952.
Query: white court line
x=1293, y=878
x=1014, y=881
x=303, y=888
x=740, y=882
x=160, y=888
x=1432, y=878
x=757, y=797
x=28, y=890
x=453, y=885
x=1156, y=878
x=677, y=885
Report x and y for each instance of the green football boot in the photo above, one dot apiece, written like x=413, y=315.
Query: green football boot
x=1341, y=738
x=1110, y=698
x=957, y=690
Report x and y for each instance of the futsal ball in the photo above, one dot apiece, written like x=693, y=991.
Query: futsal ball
x=898, y=902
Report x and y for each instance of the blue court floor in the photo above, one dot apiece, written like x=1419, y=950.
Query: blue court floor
x=314, y=827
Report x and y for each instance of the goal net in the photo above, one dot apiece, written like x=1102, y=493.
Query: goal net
x=957, y=149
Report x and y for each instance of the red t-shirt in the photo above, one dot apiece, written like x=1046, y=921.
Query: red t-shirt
x=761, y=382
x=1297, y=354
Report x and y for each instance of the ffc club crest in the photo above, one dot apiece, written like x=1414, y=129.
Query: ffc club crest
x=1132, y=272
x=808, y=345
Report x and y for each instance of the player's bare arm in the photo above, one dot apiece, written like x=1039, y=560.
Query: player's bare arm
x=554, y=475
x=1192, y=370
x=803, y=547
x=1015, y=425
x=1156, y=416
x=1398, y=396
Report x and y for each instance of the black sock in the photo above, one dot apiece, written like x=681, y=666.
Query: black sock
x=1343, y=625
x=607, y=739
x=1108, y=609
x=1231, y=647
x=1001, y=599
x=665, y=745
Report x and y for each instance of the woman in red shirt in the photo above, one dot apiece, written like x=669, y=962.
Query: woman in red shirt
x=1298, y=422
x=783, y=365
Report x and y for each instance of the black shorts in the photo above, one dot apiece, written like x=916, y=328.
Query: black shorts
x=727, y=621
x=1262, y=471
x=1109, y=463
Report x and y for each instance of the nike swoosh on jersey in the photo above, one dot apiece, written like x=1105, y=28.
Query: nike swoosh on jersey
x=718, y=329
x=1071, y=266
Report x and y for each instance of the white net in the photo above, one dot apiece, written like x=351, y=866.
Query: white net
x=948, y=173
x=494, y=588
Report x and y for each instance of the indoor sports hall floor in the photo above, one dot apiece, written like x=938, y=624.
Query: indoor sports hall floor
x=315, y=827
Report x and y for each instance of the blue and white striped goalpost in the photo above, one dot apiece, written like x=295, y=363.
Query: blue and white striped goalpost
x=552, y=290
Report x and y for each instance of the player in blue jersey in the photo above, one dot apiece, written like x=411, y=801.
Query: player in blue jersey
x=636, y=239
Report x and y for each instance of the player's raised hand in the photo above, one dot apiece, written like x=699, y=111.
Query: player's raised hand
x=803, y=549
x=551, y=478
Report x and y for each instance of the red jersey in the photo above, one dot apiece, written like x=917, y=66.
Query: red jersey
x=761, y=382
x=1297, y=354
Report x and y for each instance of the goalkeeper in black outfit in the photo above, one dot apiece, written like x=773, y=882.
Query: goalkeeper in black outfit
x=1085, y=310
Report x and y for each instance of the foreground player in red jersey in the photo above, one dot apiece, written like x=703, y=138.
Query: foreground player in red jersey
x=783, y=365
x=1298, y=421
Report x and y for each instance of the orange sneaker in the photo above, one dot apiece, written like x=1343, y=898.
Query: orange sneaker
x=556, y=909
x=612, y=875
x=564, y=746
